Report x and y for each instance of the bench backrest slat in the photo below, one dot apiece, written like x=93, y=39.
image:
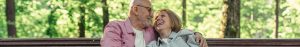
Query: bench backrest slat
x=95, y=42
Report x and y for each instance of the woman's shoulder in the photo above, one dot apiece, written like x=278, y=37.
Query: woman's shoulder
x=188, y=32
x=184, y=32
x=153, y=44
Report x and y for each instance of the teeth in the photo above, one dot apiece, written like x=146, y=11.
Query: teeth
x=160, y=22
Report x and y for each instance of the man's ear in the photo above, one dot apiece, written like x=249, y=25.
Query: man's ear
x=135, y=10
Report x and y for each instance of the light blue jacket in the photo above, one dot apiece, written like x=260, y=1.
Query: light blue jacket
x=183, y=38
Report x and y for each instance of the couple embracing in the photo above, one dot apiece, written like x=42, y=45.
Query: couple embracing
x=142, y=29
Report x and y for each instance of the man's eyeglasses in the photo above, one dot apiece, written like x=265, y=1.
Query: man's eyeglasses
x=148, y=8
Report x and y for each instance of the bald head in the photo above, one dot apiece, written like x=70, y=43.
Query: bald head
x=140, y=2
x=140, y=13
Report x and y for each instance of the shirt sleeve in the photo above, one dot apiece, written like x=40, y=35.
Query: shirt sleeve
x=112, y=36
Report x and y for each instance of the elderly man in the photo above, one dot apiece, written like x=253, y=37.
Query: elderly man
x=136, y=31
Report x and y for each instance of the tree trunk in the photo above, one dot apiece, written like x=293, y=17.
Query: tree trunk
x=105, y=13
x=276, y=18
x=10, y=18
x=231, y=19
x=81, y=24
x=52, y=19
x=184, y=12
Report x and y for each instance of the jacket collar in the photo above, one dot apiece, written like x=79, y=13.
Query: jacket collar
x=182, y=32
x=128, y=26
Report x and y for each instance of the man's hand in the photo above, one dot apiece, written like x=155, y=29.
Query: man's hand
x=198, y=37
x=201, y=40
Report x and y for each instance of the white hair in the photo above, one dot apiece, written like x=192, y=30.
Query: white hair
x=132, y=2
x=135, y=2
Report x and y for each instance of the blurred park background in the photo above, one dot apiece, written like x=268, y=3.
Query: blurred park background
x=86, y=18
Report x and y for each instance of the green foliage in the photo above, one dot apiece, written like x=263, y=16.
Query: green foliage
x=3, y=28
x=57, y=18
x=289, y=19
x=118, y=9
x=204, y=16
x=257, y=18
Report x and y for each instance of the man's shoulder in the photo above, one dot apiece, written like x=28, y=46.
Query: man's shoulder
x=114, y=23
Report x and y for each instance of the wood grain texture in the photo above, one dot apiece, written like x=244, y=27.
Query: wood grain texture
x=95, y=42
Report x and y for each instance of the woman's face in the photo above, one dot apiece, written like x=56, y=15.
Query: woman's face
x=162, y=21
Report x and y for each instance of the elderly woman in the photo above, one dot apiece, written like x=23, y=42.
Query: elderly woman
x=168, y=26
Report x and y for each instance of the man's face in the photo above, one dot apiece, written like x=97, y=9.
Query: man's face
x=145, y=13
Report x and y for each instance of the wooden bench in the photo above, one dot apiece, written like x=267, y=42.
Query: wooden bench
x=253, y=42
x=94, y=42
x=50, y=42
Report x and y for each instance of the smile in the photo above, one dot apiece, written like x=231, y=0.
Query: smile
x=160, y=22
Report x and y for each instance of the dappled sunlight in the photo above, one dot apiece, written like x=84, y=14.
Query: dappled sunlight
x=294, y=3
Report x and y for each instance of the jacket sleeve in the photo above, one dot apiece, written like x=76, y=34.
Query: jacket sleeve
x=112, y=36
x=197, y=38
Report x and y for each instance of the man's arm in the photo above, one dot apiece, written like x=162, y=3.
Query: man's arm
x=112, y=36
x=200, y=39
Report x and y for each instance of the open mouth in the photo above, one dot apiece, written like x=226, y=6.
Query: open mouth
x=160, y=22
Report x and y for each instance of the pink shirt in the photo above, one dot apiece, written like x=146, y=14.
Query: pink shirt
x=120, y=34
